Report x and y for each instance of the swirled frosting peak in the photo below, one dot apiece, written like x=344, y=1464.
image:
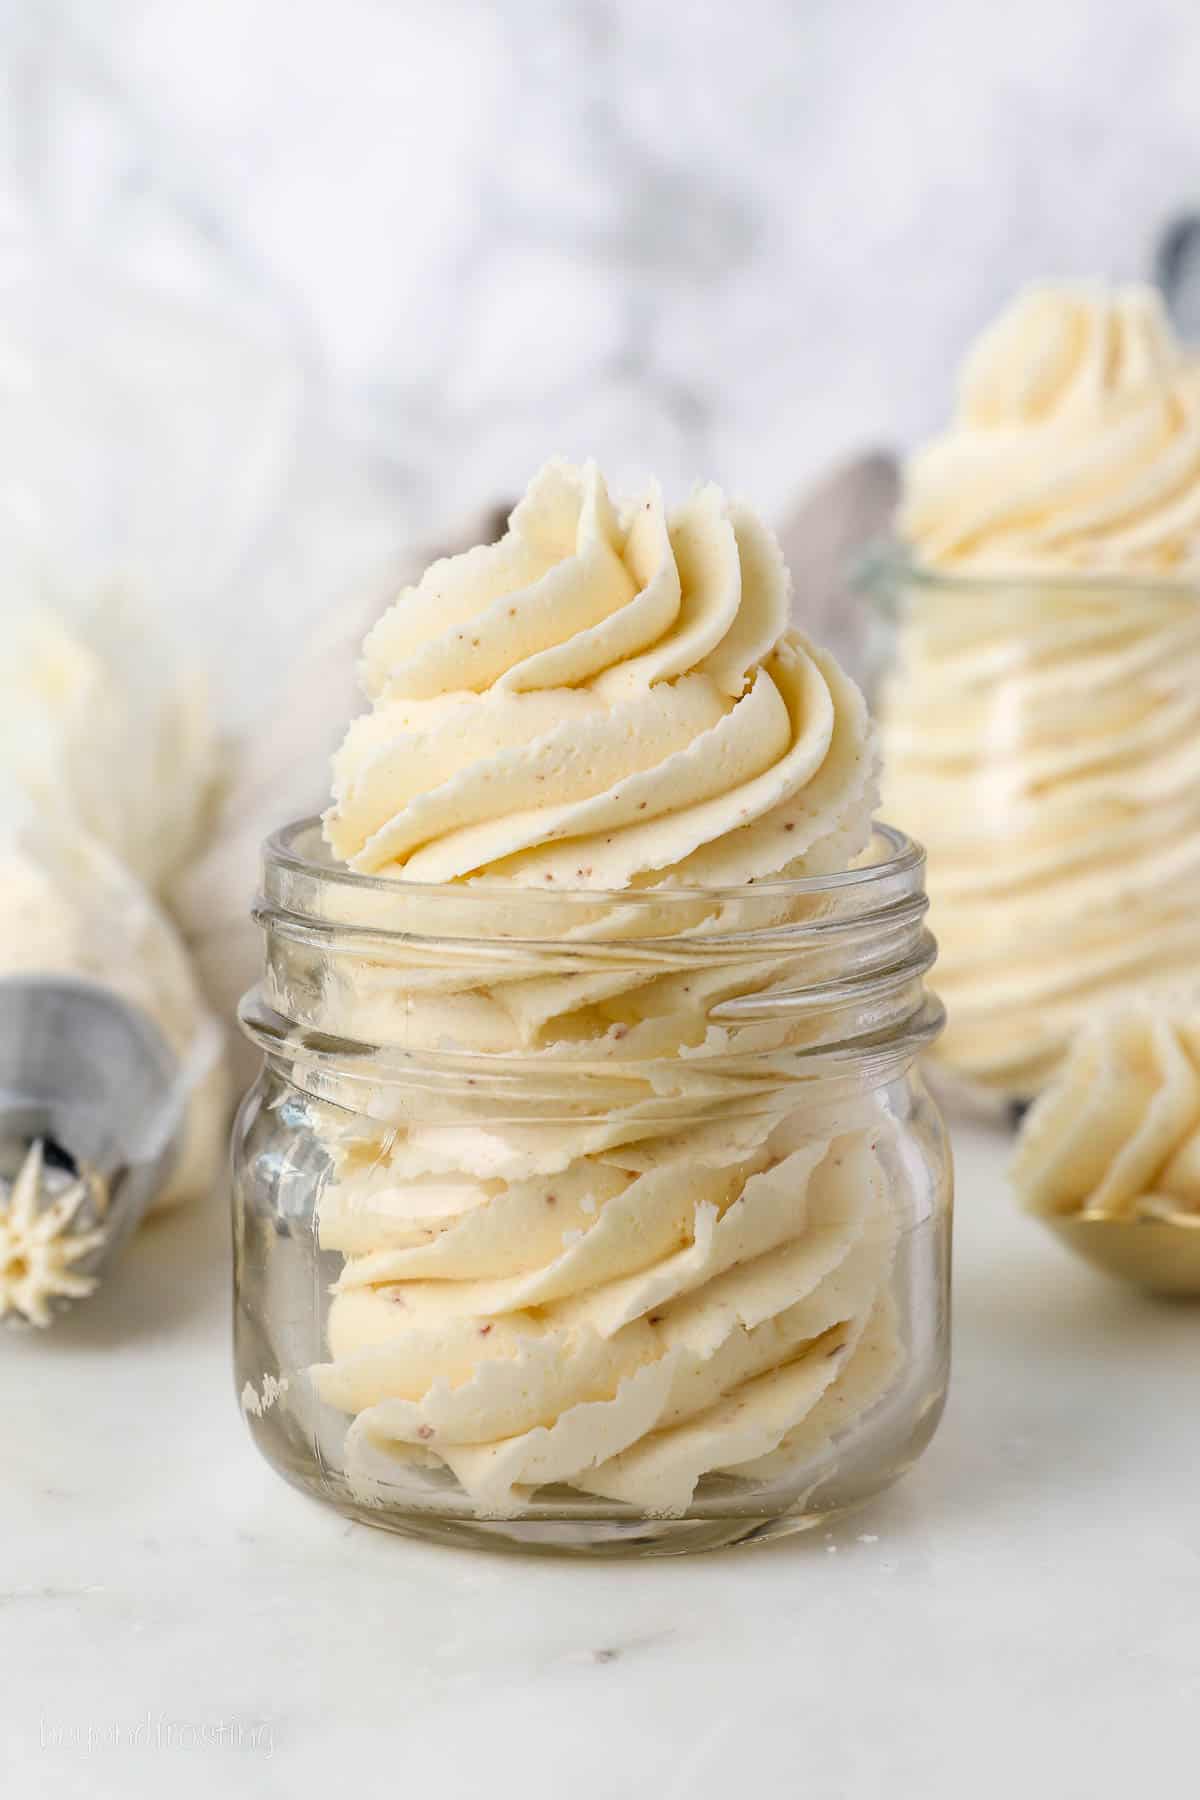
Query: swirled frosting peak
x=1076, y=443
x=605, y=698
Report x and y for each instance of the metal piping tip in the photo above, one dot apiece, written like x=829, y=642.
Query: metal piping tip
x=91, y=1108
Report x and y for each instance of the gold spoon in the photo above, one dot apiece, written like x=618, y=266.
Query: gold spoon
x=1157, y=1248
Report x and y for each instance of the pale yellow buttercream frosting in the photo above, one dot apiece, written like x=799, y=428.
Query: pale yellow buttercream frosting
x=1041, y=726
x=637, y=1291
x=1075, y=444
x=1117, y=1134
x=602, y=700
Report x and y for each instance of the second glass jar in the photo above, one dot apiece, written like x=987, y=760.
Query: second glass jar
x=1039, y=734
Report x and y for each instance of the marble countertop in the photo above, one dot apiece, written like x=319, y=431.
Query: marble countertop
x=1019, y=1615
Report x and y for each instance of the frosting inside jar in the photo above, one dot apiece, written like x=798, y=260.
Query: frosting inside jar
x=1041, y=724
x=673, y=1268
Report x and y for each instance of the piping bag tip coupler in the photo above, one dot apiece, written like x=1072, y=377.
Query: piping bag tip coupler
x=91, y=1111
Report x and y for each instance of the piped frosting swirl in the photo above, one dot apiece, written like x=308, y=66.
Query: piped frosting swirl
x=1075, y=445
x=602, y=700
x=1117, y=1135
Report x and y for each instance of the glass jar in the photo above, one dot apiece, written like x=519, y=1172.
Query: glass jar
x=1042, y=736
x=591, y=1222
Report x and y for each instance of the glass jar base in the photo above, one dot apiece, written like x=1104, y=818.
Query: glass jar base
x=583, y=1537
x=725, y=1511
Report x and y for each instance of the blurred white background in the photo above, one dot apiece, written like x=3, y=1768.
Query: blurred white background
x=423, y=243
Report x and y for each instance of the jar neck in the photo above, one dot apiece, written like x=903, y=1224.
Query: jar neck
x=566, y=994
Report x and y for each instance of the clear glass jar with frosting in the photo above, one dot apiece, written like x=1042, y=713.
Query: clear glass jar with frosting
x=1039, y=718
x=589, y=1200
x=1042, y=736
x=654, y=1258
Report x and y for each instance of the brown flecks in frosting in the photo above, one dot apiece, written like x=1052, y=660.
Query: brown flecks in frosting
x=484, y=1329
x=551, y=1199
x=425, y=1432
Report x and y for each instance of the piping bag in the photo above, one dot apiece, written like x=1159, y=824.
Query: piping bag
x=113, y=1090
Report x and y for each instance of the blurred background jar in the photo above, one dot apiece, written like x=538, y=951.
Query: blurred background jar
x=655, y=1258
x=1041, y=736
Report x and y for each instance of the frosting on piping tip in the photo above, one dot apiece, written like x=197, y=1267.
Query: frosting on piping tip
x=42, y=1240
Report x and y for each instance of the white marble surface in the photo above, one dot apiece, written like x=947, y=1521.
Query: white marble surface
x=1018, y=1616
x=725, y=242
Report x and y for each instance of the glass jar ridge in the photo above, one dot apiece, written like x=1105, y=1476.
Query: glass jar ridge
x=591, y=1221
